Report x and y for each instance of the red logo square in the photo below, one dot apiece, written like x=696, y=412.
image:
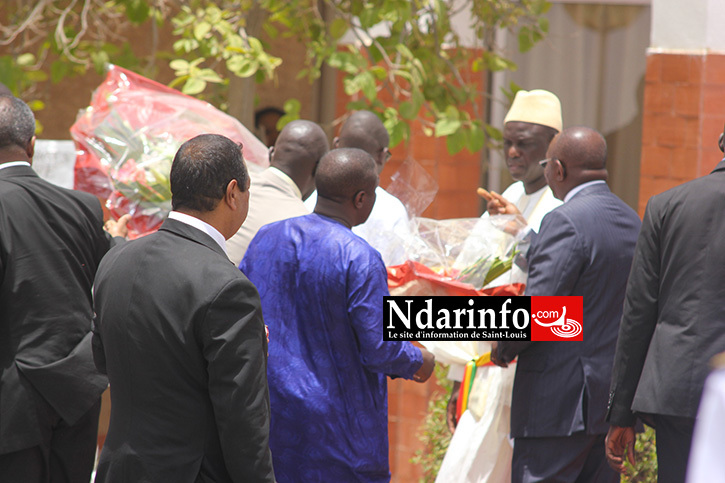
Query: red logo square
x=557, y=318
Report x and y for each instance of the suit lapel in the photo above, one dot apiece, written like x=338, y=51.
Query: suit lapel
x=193, y=234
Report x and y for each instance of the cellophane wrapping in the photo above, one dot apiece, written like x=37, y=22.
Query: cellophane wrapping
x=465, y=256
x=128, y=136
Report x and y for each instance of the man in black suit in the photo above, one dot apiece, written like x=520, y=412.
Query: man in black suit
x=584, y=248
x=673, y=323
x=51, y=242
x=179, y=332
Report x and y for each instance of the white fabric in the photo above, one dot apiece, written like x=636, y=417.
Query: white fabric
x=707, y=461
x=387, y=228
x=200, y=225
x=480, y=450
x=14, y=163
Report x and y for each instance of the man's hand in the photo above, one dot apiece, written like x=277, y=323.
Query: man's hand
x=497, y=204
x=429, y=362
x=118, y=227
x=618, y=441
x=451, y=408
x=494, y=355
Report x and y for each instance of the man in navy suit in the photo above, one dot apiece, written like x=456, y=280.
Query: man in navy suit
x=584, y=248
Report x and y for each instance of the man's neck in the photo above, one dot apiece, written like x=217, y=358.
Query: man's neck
x=534, y=186
x=333, y=210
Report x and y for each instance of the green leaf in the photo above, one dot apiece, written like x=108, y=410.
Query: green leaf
x=100, y=60
x=25, y=60
x=379, y=72
x=407, y=110
x=446, y=127
x=452, y=113
x=209, y=75
x=201, y=30
x=193, y=86
x=476, y=139
x=338, y=28
x=36, y=105
x=255, y=45
x=404, y=51
x=58, y=70
x=180, y=66
x=456, y=141
x=493, y=133
x=292, y=106
x=544, y=24
x=368, y=17
x=242, y=66
x=525, y=42
x=137, y=11
x=397, y=134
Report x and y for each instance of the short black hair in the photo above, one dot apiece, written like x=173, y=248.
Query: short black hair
x=202, y=169
x=17, y=122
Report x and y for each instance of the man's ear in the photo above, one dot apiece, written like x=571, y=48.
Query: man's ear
x=231, y=195
x=720, y=143
x=335, y=142
x=359, y=199
x=560, y=172
x=30, y=149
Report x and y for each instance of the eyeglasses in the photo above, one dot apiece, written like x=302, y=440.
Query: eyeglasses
x=544, y=162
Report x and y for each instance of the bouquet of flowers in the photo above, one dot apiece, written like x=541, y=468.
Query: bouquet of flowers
x=467, y=256
x=127, y=138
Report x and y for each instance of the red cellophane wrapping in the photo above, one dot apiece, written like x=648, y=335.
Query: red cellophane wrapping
x=127, y=138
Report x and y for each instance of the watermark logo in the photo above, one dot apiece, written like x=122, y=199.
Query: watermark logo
x=483, y=318
x=556, y=318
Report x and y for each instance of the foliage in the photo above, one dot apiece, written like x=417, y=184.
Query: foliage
x=401, y=58
x=645, y=467
x=434, y=431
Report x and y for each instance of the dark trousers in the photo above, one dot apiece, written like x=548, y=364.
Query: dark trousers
x=578, y=458
x=66, y=454
x=674, y=438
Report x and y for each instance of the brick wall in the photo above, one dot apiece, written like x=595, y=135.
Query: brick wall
x=684, y=111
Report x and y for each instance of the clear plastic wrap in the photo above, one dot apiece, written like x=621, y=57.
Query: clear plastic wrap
x=127, y=138
x=465, y=256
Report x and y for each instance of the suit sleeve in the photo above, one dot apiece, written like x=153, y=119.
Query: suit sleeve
x=555, y=264
x=235, y=348
x=638, y=321
x=367, y=285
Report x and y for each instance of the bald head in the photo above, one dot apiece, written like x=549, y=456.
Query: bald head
x=576, y=155
x=297, y=151
x=364, y=130
x=346, y=180
x=343, y=172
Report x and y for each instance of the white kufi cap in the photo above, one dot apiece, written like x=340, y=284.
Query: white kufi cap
x=536, y=107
